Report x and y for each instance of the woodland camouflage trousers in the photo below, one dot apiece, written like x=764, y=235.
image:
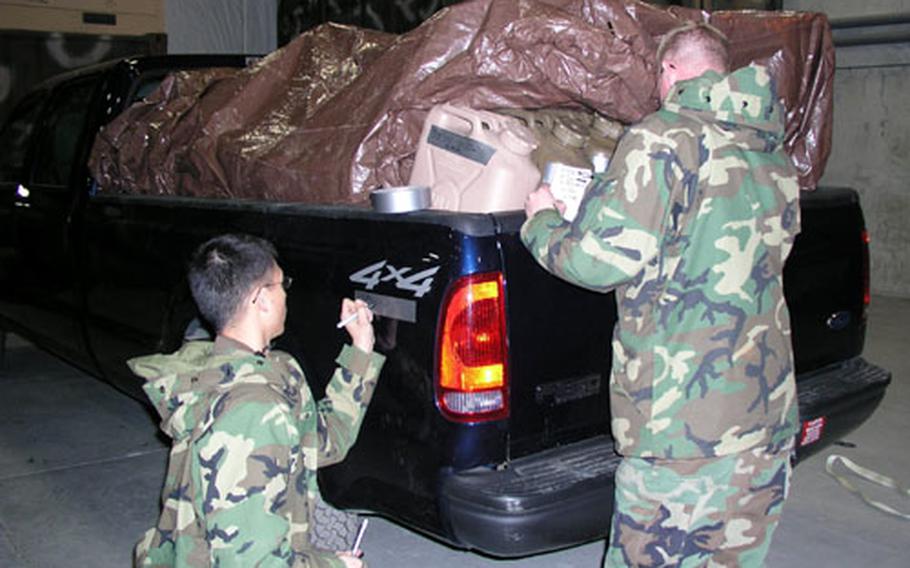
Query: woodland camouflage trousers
x=702, y=512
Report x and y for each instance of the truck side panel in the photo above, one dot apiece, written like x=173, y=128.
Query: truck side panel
x=133, y=258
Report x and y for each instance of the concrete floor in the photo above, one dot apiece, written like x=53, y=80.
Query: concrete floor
x=81, y=467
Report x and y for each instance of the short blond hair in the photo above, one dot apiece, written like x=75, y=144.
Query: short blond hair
x=698, y=39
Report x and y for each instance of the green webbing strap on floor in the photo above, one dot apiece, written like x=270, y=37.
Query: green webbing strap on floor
x=871, y=476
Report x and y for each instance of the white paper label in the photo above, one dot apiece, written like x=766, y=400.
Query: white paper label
x=568, y=184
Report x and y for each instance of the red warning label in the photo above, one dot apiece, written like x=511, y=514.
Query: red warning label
x=812, y=431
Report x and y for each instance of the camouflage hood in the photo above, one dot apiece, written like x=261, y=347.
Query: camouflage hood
x=181, y=384
x=746, y=98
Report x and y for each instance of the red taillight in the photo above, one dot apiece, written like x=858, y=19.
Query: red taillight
x=867, y=292
x=472, y=372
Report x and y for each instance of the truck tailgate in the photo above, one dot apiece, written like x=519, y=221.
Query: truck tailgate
x=559, y=352
x=560, y=334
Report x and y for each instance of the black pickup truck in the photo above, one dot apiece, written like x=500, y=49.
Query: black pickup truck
x=516, y=466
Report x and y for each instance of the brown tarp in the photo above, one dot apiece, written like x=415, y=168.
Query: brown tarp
x=338, y=112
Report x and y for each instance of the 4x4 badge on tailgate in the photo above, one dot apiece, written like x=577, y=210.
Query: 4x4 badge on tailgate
x=419, y=283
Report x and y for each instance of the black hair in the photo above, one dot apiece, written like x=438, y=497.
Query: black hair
x=224, y=270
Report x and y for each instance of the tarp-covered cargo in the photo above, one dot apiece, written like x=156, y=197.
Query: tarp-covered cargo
x=338, y=112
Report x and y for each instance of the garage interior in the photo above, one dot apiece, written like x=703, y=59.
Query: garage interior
x=81, y=464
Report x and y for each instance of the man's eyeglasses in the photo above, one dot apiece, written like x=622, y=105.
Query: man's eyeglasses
x=284, y=283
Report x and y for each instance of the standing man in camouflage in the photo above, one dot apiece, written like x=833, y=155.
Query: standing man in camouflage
x=248, y=436
x=691, y=226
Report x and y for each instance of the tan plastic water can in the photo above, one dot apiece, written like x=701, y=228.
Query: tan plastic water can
x=565, y=145
x=601, y=143
x=475, y=161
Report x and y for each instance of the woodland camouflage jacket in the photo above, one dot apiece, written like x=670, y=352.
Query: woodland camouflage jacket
x=247, y=440
x=691, y=226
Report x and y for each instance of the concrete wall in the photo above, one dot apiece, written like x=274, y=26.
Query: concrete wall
x=871, y=149
x=849, y=8
x=221, y=26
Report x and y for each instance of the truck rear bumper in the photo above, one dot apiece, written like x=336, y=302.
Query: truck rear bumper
x=835, y=400
x=564, y=496
x=550, y=500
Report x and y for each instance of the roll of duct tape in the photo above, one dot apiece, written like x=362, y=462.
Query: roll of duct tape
x=400, y=199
